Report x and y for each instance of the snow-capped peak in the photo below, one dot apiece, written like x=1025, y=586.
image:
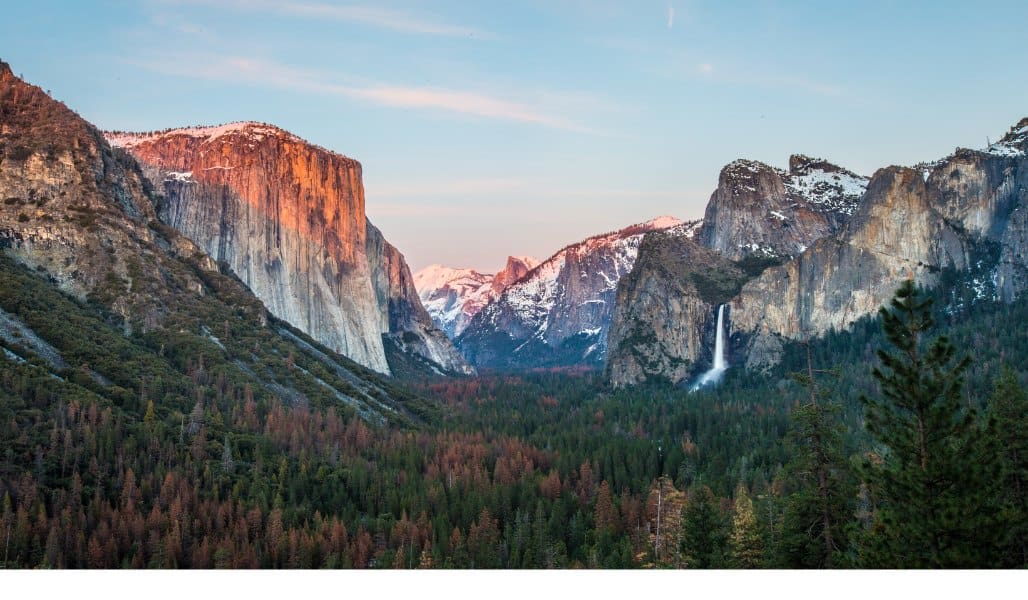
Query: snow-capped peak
x=569, y=296
x=1014, y=143
x=453, y=296
x=663, y=222
x=824, y=185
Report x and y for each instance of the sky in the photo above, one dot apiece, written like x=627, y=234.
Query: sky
x=487, y=129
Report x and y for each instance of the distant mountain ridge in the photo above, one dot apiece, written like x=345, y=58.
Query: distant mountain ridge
x=453, y=296
x=559, y=312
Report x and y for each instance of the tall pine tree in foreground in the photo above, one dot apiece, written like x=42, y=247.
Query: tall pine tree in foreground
x=937, y=478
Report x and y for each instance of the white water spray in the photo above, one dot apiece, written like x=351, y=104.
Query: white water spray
x=720, y=364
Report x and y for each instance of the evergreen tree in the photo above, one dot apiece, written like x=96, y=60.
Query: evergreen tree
x=813, y=532
x=935, y=479
x=747, y=543
x=704, y=536
x=1008, y=411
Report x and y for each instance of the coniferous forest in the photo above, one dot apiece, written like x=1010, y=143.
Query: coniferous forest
x=902, y=443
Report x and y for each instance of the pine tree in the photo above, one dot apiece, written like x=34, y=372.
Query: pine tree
x=606, y=515
x=704, y=536
x=813, y=532
x=227, y=463
x=1008, y=412
x=746, y=542
x=935, y=480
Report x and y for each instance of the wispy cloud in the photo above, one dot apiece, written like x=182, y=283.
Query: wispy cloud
x=670, y=15
x=371, y=15
x=275, y=75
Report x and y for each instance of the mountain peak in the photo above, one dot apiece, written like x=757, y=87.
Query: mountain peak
x=664, y=222
x=801, y=164
x=5, y=70
x=745, y=168
x=528, y=261
x=1018, y=134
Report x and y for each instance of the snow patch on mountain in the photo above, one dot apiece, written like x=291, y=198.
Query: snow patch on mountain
x=834, y=189
x=453, y=296
x=252, y=129
x=570, y=294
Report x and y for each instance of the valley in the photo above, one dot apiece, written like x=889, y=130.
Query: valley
x=213, y=359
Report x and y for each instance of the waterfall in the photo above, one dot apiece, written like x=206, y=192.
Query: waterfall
x=713, y=375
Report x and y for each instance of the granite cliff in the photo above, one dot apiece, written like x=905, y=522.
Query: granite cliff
x=288, y=218
x=964, y=213
x=838, y=256
x=666, y=308
x=758, y=210
x=81, y=240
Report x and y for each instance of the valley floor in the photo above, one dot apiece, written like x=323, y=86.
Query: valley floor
x=192, y=467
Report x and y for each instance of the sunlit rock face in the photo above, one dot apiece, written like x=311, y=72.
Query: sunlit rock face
x=288, y=219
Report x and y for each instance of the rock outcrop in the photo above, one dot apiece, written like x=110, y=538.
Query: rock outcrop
x=406, y=322
x=76, y=210
x=559, y=313
x=454, y=296
x=761, y=211
x=83, y=218
x=288, y=219
x=966, y=214
x=666, y=309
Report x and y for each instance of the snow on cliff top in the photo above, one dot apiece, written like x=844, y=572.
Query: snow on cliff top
x=249, y=131
x=127, y=139
x=535, y=295
x=838, y=191
x=529, y=261
x=1012, y=144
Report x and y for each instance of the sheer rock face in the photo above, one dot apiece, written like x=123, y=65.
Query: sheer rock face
x=75, y=209
x=759, y=210
x=967, y=212
x=559, y=313
x=83, y=217
x=288, y=219
x=516, y=268
x=454, y=296
x=666, y=309
x=909, y=226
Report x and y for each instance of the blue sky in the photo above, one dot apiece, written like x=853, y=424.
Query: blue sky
x=495, y=128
